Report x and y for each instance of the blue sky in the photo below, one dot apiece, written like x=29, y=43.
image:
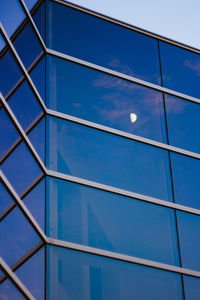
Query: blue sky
x=176, y=19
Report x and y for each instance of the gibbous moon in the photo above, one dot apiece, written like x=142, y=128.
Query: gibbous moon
x=133, y=117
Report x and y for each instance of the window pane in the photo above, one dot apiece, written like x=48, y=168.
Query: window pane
x=39, y=18
x=17, y=236
x=37, y=138
x=20, y=168
x=102, y=43
x=35, y=202
x=103, y=278
x=183, y=123
x=181, y=69
x=31, y=273
x=189, y=228
x=191, y=287
x=99, y=219
x=30, y=3
x=102, y=157
x=8, y=291
x=38, y=77
x=186, y=178
x=5, y=198
x=88, y=94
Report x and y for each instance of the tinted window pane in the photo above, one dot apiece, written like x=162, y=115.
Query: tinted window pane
x=20, y=168
x=102, y=42
x=100, y=98
x=35, y=202
x=39, y=19
x=8, y=133
x=30, y=3
x=183, y=123
x=27, y=45
x=8, y=291
x=102, y=157
x=5, y=198
x=31, y=273
x=37, y=138
x=17, y=236
x=103, y=278
x=24, y=105
x=181, y=69
x=186, y=178
x=104, y=220
x=191, y=287
x=38, y=77
x=189, y=228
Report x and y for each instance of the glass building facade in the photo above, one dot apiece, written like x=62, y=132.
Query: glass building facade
x=100, y=158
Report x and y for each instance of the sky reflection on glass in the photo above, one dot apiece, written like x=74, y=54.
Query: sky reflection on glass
x=8, y=291
x=5, y=198
x=88, y=94
x=191, y=287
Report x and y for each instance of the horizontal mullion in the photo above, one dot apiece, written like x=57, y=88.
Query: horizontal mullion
x=122, y=192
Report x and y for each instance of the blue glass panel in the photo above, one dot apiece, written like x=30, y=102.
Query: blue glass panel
x=5, y=198
x=9, y=73
x=8, y=133
x=31, y=273
x=39, y=19
x=11, y=15
x=102, y=43
x=17, y=236
x=24, y=105
x=38, y=77
x=181, y=69
x=186, y=178
x=108, y=221
x=189, y=238
x=103, y=278
x=102, y=157
x=30, y=3
x=27, y=45
x=101, y=98
x=8, y=291
x=183, y=123
x=35, y=202
x=37, y=138
x=191, y=287
x=2, y=43
x=20, y=168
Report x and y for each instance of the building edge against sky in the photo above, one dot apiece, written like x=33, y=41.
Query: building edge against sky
x=107, y=165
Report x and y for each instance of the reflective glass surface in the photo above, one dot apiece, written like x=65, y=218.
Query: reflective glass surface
x=5, y=198
x=102, y=43
x=35, y=202
x=8, y=133
x=186, y=178
x=38, y=77
x=102, y=157
x=181, y=69
x=88, y=94
x=102, y=278
x=189, y=238
x=191, y=287
x=30, y=3
x=108, y=221
x=8, y=291
x=37, y=138
x=183, y=123
x=39, y=18
x=31, y=273
x=17, y=236
x=20, y=168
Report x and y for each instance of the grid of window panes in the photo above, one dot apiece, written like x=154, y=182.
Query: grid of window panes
x=113, y=132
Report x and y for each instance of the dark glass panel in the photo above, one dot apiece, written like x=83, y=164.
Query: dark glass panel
x=104, y=99
x=181, y=69
x=189, y=238
x=39, y=19
x=5, y=198
x=99, y=219
x=102, y=43
x=35, y=202
x=2, y=43
x=38, y=77
x=20, y=168
x=186, y=179
x=31, y=273
x=103, y=278
x=17, y=236
x=191, y=287
x=183, y=123
x=30, y=3
x=8, y=291
x=102, y=157
x=27, y=45
x=37, y=138
x=11, y=15
x=24, y=105
x=8, y=133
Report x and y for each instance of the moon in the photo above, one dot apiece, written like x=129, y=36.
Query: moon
x=133, y=117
